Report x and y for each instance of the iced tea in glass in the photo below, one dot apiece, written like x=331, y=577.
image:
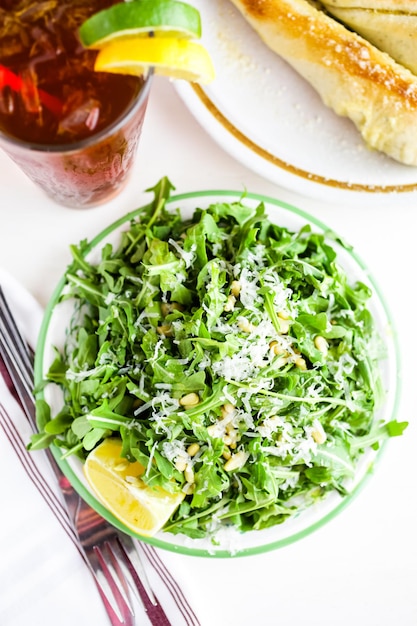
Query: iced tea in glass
x=72, y=130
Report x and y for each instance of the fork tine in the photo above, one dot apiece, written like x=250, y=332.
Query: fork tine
x=131, y=553
x=16, y=355
x=23, y=389
x=21, y=346
x=138, y=576
x=91, y=530
x=112, y=582
x=111, y=548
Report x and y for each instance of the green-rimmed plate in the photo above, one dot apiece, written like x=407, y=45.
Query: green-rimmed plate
x=230, y=542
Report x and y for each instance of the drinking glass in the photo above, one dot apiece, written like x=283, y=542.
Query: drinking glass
x=92, y=170
x=74, y=131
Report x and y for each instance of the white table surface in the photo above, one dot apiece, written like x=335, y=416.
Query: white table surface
x=359, y=569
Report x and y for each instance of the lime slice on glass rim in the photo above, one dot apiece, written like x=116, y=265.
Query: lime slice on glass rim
x=137, y=18
x=176, y=58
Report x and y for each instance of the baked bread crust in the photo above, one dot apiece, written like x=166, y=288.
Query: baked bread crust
x=391, y=30
x=351, y=75
x=409, y=7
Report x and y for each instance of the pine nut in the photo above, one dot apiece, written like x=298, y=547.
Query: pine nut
x=230, y=304
x=273, y=344
x=227, y=409
x=300, y=363
x=213, y=430
x=276, y=348
x=189, y=400
x=180, y=464
x=231, y=437
x=168, y=307
x=245, y=325
x=189, y=474
x=321, y=344
x=226, y=453
x=193, y=448
x=235, y=288
x=284, y=325
x=164, y=329
x=318, y=433
x=236, y=461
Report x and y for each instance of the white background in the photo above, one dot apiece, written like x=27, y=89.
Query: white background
x=361, y=568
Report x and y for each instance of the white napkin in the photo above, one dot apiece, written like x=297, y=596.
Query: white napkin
x=43, y=579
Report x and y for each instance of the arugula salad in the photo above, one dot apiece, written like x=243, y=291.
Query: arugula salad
x=231, y=356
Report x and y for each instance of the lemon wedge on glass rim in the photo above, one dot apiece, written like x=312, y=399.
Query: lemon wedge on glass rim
x=118, y=485
x=164, y=18
x=167, y=56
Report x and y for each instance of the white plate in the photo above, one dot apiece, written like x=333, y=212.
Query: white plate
x=270, y=119
x=53, y=332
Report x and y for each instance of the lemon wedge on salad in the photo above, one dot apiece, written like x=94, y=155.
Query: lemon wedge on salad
x=177, y=58
x=118, y=485
x=166, y=18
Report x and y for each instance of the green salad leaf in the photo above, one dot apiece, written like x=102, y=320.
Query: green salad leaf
x=232, y=357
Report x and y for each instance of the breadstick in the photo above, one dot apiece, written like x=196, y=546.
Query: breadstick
x=390, y=25
x=352, y=76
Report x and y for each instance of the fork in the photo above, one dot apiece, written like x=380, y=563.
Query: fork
x=110, y=555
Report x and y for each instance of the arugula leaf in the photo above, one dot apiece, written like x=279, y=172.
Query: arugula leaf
x=229, y=335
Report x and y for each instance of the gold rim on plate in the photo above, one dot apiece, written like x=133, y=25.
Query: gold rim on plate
x=288, y=167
